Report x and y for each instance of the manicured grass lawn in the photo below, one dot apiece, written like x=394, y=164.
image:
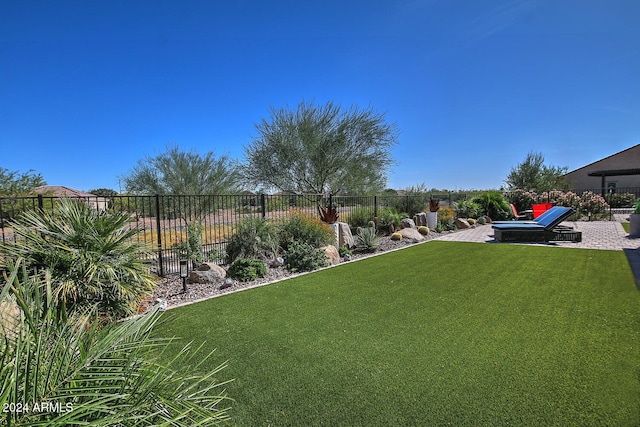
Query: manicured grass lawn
x=626, y=226
x=437, y=334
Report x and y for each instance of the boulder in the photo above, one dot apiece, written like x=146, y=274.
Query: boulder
x=462, y=224
x=407, y=223
x=345, y=237
x=333, y=256
x=207, y=272
x=420, y=219
x=411, y=233
x=487, y=219
x=278, y=262
x=207, y=266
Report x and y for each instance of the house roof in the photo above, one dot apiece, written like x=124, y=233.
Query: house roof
x=61, y=191
x=616, y=172
x=605, y=158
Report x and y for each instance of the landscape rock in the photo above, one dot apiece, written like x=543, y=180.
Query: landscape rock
x=462, y=224
x=407, y=223
x=333, y=256
x=345, y=237
x=207, y=273
x=278, y=262
x=411, y=233
x=207, y=266
x=420, y=219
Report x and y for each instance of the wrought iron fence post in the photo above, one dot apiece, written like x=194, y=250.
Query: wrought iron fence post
x=40, y=203
x=375, y=206
x=263, y=205
x=158, y=230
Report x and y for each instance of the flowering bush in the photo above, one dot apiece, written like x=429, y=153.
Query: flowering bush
x=593, y=203
x=521, y=199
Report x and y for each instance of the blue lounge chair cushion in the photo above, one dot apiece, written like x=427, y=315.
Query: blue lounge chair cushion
x=547, y=221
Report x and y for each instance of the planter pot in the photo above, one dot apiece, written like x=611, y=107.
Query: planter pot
x=432, y=220
x=634, y=225
x=336, y=232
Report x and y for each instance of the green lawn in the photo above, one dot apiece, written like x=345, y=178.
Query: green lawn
x=437, y=334
x=626, y=226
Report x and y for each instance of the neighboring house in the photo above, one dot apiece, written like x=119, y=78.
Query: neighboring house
x=99, y=203
x=619, y=173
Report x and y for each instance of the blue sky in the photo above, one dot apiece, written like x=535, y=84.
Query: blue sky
x=87, y=88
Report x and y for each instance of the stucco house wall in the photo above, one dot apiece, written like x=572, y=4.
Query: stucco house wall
x=626, y=162
x=99, y=203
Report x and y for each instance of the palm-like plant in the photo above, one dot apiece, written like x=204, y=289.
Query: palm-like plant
x=92, y=257
x=56, y=371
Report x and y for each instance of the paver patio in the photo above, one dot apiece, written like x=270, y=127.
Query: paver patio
x=604, y=235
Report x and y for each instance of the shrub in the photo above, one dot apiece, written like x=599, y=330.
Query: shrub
x=343, y=250
x=481, y=220
x=302, y=256
x=621, y=200
x=359, y=217
x=415, y=200
x=494, y=205
x=445, y=218
x=305, y=228
x=367, y=240
x=100, y=375
x=593, y=203
x=191, y=249
x=247, y=269
x=521, y=199
x=93, y=257
x=390, y=219
x=465, y=209
x=254, y=235
x=423, y=229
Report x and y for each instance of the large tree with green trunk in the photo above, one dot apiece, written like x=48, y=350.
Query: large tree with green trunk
x=321, y=149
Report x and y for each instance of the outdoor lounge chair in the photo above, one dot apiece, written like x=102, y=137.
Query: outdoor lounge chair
x=545, y=228
x=517, y=216
x=553, y=211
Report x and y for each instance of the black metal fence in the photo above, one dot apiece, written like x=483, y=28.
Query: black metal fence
x=162, y=221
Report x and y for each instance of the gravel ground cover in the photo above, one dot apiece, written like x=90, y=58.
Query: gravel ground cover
x=170, y=288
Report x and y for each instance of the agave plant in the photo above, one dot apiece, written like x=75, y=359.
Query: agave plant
x=367, y=240
x=92, y=256
x=59, y=371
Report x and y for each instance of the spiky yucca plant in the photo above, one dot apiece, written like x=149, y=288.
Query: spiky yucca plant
x=58, y=371
x=92, y=256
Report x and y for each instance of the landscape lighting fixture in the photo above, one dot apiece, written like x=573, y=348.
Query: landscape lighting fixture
x=184, y=272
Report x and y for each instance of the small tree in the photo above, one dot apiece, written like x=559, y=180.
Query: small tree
x=16, y=183
x=177, y=172
x=183, y=172
x=533, y=175
x=321, y=149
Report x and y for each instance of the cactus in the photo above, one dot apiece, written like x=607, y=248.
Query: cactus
x=396, y=236
x=423, y=229
x=471, y=221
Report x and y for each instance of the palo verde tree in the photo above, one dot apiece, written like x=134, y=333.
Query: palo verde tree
x=183, y=173
x=16, y=183
x=533, y=175
x=321, y=149
x=180, y=173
